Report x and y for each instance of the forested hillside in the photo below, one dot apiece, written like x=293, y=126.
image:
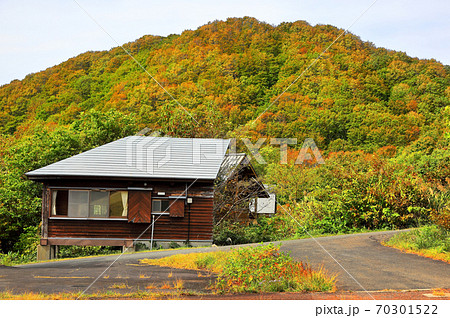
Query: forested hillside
x=379, y=117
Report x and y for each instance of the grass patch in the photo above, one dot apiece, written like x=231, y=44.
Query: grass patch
x=429, y=241
x=252, y=269
x=104, y=295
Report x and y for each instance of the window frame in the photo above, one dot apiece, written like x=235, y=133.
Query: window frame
x=121, y=217
x=91, y=205
x=161, y=212
x=54, y=197
x=88, y=217
x=87, y=204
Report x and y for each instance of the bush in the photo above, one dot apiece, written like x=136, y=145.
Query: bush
x=266, y=269
x=81, y=251
x=174, y=245
x=442, y=218
x=252, y=269
x=440, y=204
x=232, y=233
x=15, y=258
x=353, y=190
x=25, y=249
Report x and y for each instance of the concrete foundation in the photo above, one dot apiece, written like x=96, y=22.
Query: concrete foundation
x=46, y=252
x=130, y=249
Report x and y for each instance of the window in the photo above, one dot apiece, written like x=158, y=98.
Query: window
x=99, y=204
x=160, y=206
x=59, y=202
x=89, y=203
x=118, y=204
x=78, y=204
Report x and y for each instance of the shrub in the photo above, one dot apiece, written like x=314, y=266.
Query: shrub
x=353, y=190
x=81, y=251
x=440, y=204
x=266, y=269
x=14, y=258
x=441, y=218
x=232, y=233
x=25, y=249
x=252, y=269
x=174, y=245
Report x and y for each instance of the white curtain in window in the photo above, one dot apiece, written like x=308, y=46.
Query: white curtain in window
x=124, y=195
x=54, y=194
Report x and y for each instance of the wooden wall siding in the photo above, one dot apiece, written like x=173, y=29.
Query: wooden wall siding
x=139, y=206
x=196, y=190
x=166, y=227
x=176, y=208
x=166, y=186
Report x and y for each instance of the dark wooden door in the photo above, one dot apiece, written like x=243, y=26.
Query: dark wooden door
x=139, y=206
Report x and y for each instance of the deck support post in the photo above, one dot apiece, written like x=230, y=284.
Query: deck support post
x=46, y=252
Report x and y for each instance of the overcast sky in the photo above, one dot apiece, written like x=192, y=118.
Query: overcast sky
x=35, y=35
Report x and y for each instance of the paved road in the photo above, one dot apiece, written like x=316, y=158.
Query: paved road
x=373, y=267
x=123, y=275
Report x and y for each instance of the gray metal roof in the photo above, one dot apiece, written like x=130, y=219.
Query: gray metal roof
x=143, y=157
x=230, y=163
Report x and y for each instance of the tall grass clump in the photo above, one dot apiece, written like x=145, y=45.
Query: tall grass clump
x=430, y=241
x=263, y=268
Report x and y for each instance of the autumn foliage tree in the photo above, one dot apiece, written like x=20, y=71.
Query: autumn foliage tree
x=217, y=79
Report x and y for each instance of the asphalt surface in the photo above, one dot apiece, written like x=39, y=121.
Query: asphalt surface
x=359, y=261
x=362, y=263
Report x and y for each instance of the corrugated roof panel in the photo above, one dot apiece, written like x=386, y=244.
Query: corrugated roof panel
x=229, y=165
x=144, y=157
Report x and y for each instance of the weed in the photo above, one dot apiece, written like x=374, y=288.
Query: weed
x=199, y=274
x=151, y=286
x=166, y=285
x=120, y=286
x=439, y=292
x=178, y=284
x=196, y=261
x=7, y=295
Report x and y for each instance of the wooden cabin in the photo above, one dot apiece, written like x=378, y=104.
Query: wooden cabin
x=135, y=189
